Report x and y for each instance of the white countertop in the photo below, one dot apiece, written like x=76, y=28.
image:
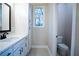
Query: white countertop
x=9, y=41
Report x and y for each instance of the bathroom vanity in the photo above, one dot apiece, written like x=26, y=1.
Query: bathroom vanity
x=14, y=46
x=15, y=43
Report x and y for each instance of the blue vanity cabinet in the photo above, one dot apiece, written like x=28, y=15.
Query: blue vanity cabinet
x=8, y=52
x=25, y=49
x=21, y=48
x=17, y=49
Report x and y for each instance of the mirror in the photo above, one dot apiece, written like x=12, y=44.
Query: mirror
x=5, y=17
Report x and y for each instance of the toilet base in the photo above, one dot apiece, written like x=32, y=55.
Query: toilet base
x=62, y=49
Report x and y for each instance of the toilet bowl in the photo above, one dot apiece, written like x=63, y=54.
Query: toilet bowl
x=62, y=49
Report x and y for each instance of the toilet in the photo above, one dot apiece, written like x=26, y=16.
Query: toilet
x=62, y=49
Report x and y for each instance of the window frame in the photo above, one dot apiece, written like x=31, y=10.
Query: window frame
x=34, y=7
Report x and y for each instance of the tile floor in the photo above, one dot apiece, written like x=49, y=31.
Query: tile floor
x=39, y=52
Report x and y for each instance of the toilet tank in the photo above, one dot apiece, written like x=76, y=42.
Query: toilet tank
x=59, y=39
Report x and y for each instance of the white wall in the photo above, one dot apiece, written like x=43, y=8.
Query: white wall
x=21, y=18
x=68, y=24
x=40, y=35
x=52, y=42
x=77, y=32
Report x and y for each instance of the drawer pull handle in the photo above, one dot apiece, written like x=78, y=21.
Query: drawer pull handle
x=25, y=44
x=21, y=50
x=8, y=54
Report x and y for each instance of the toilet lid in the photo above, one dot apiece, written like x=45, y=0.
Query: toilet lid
x=63, y=46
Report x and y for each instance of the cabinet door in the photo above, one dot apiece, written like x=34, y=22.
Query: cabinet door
x=20, y=51
x=24, y=47
x=8, y=52
x=16, y=53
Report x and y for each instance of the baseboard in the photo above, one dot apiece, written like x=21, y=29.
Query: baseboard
x=49, y=51
x=39, y=46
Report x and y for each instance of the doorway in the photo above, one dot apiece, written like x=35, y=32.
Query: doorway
x=66, y=20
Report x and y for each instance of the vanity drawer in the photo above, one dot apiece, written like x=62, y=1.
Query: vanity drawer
x=17, y=45
x=8, y=52
x=17, y=52
x=20, y=50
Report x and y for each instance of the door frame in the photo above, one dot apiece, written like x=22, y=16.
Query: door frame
x=73, y=37
x=73, y=34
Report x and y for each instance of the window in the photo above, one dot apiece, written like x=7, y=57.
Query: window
x=38, y=16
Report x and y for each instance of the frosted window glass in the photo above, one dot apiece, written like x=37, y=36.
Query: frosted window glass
x=39, y=14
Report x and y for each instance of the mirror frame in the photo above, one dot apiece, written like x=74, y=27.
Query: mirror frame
x=9, y=19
